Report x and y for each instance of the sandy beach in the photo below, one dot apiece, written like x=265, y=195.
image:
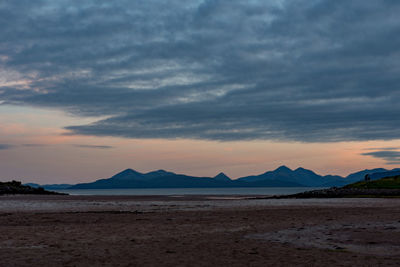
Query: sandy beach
x=197, y=231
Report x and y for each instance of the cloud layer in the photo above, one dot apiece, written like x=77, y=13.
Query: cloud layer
x=300, y=70
x=391, y=156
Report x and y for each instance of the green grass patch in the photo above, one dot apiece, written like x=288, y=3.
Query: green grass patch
x=384, y=183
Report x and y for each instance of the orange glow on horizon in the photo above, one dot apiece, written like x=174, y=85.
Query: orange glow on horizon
x=60, y=157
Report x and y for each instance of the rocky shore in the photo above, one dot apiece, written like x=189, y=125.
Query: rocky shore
x=15, y=187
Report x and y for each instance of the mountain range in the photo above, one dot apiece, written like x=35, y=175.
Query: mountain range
x=281, y=177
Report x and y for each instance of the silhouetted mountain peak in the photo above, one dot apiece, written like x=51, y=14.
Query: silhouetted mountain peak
x=304, y=171
x=128, y=173
x=158, y=174
x=282, y=176
x=299, y=176
x=283, y=168
x=222, y=177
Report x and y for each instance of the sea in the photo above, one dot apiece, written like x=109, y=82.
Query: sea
x=192, y=191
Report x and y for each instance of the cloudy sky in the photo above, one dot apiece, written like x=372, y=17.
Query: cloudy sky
x=88, y=88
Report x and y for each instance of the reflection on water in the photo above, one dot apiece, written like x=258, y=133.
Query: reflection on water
x=192, y=191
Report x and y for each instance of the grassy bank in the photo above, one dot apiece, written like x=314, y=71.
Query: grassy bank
x=384, y=183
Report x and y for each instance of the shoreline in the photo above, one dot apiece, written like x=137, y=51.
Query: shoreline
x=60, y=203
x=198, y=231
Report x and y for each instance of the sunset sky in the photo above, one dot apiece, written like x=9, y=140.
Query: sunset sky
x=89, y=88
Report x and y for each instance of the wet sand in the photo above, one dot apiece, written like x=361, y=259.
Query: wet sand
x=197, y=231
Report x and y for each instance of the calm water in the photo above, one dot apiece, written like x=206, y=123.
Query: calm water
x=193, y=191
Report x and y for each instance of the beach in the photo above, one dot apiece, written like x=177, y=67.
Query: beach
x=198, y=231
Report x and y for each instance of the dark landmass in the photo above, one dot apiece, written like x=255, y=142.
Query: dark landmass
x=222, y=177
x=50, y=186
x=391, y=182
x=281, y=177
x=162, y=179
x=374, y=174
x=299, y=176
x=384, y=187
x=15, y=187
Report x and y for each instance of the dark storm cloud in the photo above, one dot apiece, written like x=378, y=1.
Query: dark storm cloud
x=392, y=157
x=301, y=70
x=93, y=146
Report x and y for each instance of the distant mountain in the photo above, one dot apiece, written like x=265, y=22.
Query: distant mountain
x=379, y=175
x=163, y=179
x=281, y=177
x=299, y=176
x=334, y=180
x=222, y=177
x=156, y=179
x=49, y=186
x=374, y=173
x=268, y=183
x=128, y=174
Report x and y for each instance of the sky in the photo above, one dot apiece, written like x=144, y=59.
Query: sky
x=89, y=88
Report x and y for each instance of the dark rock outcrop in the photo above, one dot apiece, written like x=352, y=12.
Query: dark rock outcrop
x=15, y=187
